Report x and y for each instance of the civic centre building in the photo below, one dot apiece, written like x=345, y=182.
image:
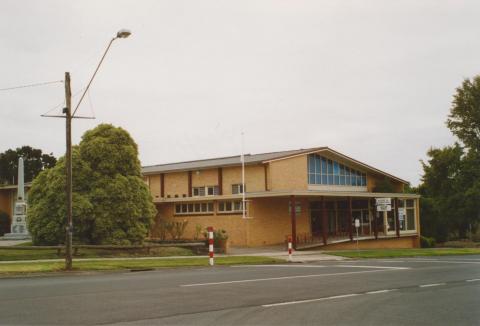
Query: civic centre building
x=317, y=196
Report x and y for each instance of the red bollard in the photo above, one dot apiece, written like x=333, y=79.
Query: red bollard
x=210, y=245
x=289, y=248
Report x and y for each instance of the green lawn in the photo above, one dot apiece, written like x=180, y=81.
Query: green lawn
x=39, y=267
x=33, y=254
x=394, y=253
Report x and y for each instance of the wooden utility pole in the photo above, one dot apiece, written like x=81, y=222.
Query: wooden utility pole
x=68, y=168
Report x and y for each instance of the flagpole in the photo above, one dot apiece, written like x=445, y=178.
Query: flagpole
x=242, y=158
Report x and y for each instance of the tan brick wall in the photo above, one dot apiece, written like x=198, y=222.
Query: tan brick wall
x=269, y=224
x=254, y=178
x=6, y=201
x=205, y=178
x=373, y=179
x=235, y=225
x=271, y=221
x=154, y=184
x=394, y=243
x=176, y=184
x=288, y=174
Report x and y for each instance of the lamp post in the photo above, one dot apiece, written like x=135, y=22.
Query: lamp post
x=123, y=33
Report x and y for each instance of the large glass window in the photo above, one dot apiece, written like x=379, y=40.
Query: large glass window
x=328, y=172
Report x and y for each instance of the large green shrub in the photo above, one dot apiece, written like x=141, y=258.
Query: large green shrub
x=111, y=203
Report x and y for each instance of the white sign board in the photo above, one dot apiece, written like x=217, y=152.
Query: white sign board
x=383, y=201
x=357, y=223
x=384, y=208
x=401, y=214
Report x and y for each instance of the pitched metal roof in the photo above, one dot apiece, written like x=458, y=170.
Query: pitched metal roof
x=222, y=161
x=253, y=159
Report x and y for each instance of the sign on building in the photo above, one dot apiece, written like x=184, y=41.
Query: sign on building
x=383, y=204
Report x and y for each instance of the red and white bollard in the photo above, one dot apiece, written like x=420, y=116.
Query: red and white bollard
x=210, y=245
x=290, y=248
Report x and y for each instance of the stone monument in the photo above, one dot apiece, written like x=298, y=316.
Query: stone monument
x=19, y=229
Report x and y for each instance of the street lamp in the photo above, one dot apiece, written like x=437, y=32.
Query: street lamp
x=123, y=33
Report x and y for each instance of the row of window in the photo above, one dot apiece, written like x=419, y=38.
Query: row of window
x=205, y=191
x=328, y=172
x=232, y=206
x=215, y=190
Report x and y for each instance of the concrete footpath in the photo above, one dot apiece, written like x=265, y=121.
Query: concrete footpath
x=280, y=253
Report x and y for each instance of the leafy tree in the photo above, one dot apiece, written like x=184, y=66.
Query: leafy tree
x=464, y=118
x=441, y=202
x=451, y=182
x=34, y=162
x=111, y=203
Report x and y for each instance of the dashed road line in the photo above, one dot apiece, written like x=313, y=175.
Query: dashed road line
x=354, y=295
x=284, y=278
x=444, y=261
x=281, y=265
x=381, y=291
x=374, y=267
x=311, y=300
x=430, y=285
x=473, y=280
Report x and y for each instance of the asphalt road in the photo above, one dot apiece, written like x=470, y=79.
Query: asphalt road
x=416, y=291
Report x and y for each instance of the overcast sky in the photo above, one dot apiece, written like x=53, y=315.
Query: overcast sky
x=371, y=79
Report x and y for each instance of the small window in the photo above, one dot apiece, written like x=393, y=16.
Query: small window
x=178, y=209
x=210, y=207
x=238, y=189
x=237, y=206
x=228, y=206
x=197, y=208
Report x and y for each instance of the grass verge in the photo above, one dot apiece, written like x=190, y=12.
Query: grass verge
x=395, y=253
x=34, y=267
x=32, y=254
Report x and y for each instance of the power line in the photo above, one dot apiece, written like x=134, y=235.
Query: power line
x=31, y=85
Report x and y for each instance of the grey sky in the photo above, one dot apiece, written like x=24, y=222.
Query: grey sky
x=371, y=79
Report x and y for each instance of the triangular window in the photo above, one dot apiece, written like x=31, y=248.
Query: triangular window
x=324, y=171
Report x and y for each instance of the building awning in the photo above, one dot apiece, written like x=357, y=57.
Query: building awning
x=306, y=193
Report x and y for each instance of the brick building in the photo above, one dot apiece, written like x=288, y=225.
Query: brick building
x=327, y=190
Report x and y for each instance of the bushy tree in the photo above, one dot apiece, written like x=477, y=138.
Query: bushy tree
x=111, y=203
x=464, y=118
x=34, y=162
x=451, y=182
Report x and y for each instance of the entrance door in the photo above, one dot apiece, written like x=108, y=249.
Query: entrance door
x=316, y=222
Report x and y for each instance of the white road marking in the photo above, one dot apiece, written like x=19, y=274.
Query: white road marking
x=444, y=261
x=310, y=300
x=280, y=265
x=430, y=285
x=381, y=291
x=374, y=267
x=283, y=278
x=473, y=280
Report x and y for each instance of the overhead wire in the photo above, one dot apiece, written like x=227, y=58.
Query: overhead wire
x=31, y=85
